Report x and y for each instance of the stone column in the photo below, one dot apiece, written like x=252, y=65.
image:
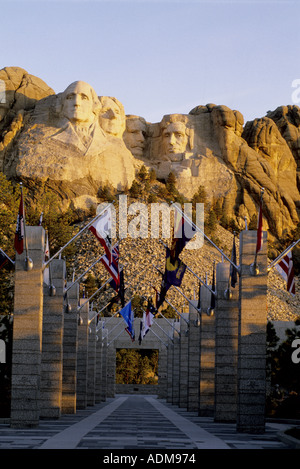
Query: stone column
x=52, y=350
x=111, y=371
x=82, y=356
x=27, y=333
x=162, y=371
x=70, y=345
x=183, y=360
x=104, y=365
x=175, y=364
x=252, y=337
x=99, y=360
x=226, y=319
x=91, y=361
x=207, y=356
x=193, y=358
x=170, y=371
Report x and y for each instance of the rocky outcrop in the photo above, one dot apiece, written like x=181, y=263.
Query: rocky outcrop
x=75, y=148
x=19, y=93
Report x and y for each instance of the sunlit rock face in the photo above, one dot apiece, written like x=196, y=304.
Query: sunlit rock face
x=75, y=142
x=63, y=146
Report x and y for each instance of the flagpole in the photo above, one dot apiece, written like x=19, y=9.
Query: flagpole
x=82, y=275
x=76, y=236
x=208, y=239
x=156, y=324
x=115, y=337
x=98, y=312
x=95, y=293
x=13, y=262
x=278, y=259
x=170, y=304
x=166, y=345
x=171, y=307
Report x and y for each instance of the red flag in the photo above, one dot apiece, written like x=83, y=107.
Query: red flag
x=101, y=228
x=286, y=269
x=259, y=241
x=19, y=235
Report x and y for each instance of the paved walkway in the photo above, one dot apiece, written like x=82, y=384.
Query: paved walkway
x=130, y=422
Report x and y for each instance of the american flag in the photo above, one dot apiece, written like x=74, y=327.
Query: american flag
x=113, y=266
x=101, y=228
x=286, y=269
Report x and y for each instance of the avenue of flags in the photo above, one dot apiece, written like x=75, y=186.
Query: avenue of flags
x=174, y=271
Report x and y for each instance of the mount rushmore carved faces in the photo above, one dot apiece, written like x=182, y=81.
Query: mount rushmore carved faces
x=112, y=116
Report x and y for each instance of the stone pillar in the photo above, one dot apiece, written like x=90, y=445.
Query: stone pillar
x=82, y=356
x=104, y=365
x=27, y=333
x=226, y=319
x=91, y=361
x=193, y=358
x=207, y=356
x=162, y=372
x=252, y=336
x=70, y=345
x=170, y=370
x=99, y=360
x=175, y=364
x=183, y=360
x=111, y=371
x=52, y=350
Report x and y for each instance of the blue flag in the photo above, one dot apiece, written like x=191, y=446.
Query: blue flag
x=127, y=315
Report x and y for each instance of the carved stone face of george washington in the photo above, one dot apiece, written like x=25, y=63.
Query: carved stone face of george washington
x=79, y=102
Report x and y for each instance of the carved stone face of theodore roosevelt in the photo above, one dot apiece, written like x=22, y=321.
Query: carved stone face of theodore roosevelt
x=112, y=116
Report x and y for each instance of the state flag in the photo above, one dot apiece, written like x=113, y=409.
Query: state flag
x=213, y=287
x=233, y=271
x=147, y=321
x=173, y=275
x=183, y=232
x=286, y=269
x=259, y=240
x=113, y=266
x=102, y=228
x=199, y=298
x=19, y=234
x=127, y=314
x=46, y=272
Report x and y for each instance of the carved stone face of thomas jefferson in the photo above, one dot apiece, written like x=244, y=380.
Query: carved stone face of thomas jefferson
x=79, y=101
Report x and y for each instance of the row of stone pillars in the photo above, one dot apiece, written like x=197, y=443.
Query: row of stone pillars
x=217, y=366
x=59, y=354
x=214, y=365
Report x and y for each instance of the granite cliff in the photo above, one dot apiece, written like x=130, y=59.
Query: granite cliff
x=46, y=143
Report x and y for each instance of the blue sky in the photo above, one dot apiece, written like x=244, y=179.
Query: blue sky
x=161, y=56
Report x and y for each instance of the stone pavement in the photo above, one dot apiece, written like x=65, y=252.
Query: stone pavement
x=132, y=422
